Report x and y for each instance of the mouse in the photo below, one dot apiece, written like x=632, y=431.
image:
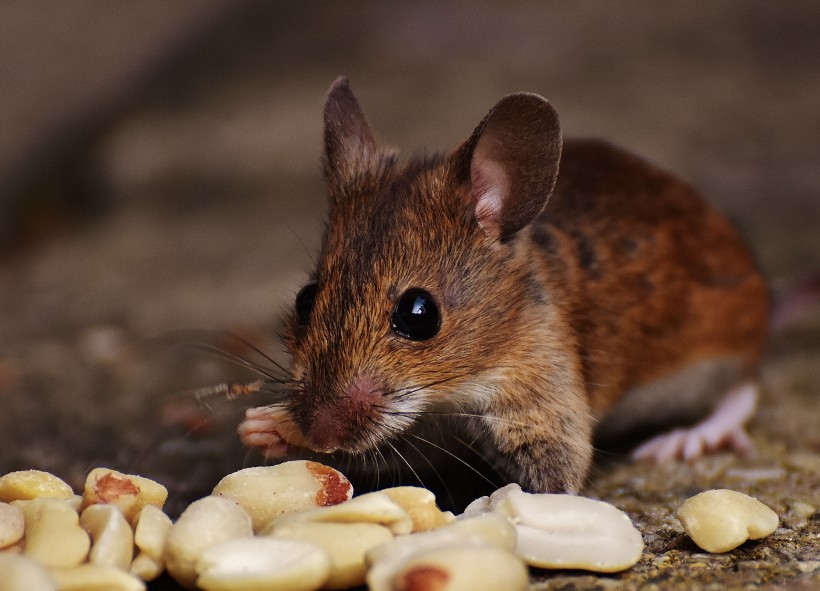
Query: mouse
x=533, y=295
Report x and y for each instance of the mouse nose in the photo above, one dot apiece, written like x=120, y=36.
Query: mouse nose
x=325, y=434
x=345, y=422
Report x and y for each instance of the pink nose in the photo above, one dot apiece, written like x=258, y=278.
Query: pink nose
x=343, y=422
x=327, y=432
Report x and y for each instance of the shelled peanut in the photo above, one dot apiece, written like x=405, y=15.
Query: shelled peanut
x=721, y=520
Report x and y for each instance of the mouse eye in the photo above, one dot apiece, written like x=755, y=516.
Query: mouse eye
x=416, y=316
x=304, y=301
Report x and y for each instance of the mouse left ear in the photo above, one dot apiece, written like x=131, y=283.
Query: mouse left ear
x=511, y=163
x=349, y=143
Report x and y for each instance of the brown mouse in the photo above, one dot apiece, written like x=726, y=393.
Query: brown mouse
x=527, y=292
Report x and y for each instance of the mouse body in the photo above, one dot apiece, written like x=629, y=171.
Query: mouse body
x=530, y=293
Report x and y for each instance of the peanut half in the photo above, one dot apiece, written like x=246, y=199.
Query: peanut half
x=150, y=533
x=205, y=523
x=487, y=530
x=146, y=568
x=420, y=505
x=12, y=525
x=252, y=564
x=32, y=484
x=112, y=540
x=127, y=491
x=721, y=520
x=467, y=567
x=53, y=537
x=345, y=544
x=267, y=492
x=95, y=577
x=567, y=531
x=20, y=573
x=376, y=507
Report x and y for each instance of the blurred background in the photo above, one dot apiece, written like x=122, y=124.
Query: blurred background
x=160, y=179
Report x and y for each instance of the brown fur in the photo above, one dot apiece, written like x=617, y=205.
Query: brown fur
x=657, y=279
x=548, y=318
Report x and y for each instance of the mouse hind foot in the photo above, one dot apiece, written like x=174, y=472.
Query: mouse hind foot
x=724, y=428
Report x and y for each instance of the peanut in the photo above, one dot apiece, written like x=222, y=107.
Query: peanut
x=128, y=492
x=387, y=559
x=111, y=536
x=467, y=567
x=32, y=484
x=146, y=568
x=345, y=543
x=721, y=520
x=267, y=492
x=375, y=507
x=420, y=505
x=53, y=536
x=568, y=531
x=205, y=523
x=250, y=564
x=20, y=573
x=95, y=577
x=151, y=531
x=12, y=525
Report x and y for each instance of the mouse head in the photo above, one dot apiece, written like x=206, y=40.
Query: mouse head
x=422, y=281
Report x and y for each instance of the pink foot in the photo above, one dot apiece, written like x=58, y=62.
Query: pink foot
x=724, y=428
x=270, y=430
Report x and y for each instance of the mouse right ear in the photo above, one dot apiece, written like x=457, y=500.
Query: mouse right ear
x=349, y=143
x=511, y=163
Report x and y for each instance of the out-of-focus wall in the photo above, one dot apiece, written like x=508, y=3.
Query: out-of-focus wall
x=65, y=65
x=172, y=103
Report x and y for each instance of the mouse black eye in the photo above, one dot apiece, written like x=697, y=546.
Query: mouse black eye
x=304, y=301
x=416, y=316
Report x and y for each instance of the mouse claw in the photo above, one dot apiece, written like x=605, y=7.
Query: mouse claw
x=662, y=448
x=270, y=430
x=723, y=429
x=693, y=447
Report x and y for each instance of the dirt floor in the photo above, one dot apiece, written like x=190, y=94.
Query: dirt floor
x=193, y=212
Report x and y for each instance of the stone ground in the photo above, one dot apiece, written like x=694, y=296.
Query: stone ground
x=194, y=209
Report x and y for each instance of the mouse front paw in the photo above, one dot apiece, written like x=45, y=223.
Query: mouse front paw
x=723, y=429
x=271, y=430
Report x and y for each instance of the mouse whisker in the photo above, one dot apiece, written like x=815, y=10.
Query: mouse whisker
x=367, y=458
x=403, y=459
x=241, y=361
x=456, y=457
x=410, y=390
x=379, y=462
x=372, y=457
x=429, y=462
x=257, y=350
x=471, y=447
x=468, y=415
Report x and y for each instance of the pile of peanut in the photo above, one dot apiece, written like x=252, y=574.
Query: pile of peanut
x=294, y=527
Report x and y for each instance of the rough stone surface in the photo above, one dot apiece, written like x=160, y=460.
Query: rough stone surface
x=209, y=207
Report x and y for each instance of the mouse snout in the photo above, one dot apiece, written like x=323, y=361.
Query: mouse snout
x=346, y=421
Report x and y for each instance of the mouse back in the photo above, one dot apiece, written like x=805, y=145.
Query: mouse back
x=656, y=279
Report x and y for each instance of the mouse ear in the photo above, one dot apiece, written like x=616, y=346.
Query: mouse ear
x=511, y=163
x=349, y=143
